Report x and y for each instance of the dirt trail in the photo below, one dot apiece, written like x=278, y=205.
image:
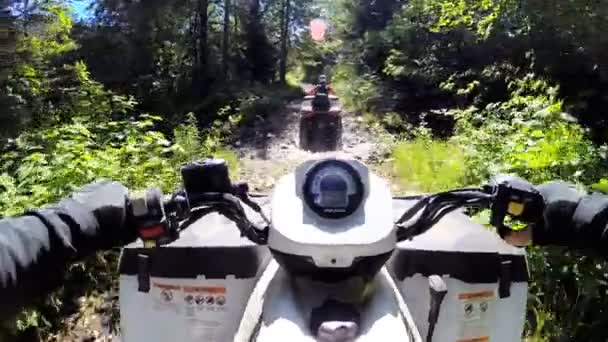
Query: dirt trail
x=270, y=148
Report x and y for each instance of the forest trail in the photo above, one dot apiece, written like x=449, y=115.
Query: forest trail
x=269, y=148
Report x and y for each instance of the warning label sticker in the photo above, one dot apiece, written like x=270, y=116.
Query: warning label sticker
x=476, y=312
x=203, y=310
x=206, y=298
x=164, y=297
x=189, y=300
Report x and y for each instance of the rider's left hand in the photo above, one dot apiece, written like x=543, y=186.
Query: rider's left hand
x=100, y=211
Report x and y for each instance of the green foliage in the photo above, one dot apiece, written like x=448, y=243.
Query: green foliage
x=429, y=165
x=358, y=93
x=48, y=164
x=456, y=53
x=43, y=91
x=295, y=76
x=525, y=135
x=311, y=59
x=248, y=105
x=478, y=16
x=601, y=185
x=55, y=40
x=538, y=144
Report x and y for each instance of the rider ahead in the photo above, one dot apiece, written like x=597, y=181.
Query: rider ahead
x=321, y=93
x=322, y=88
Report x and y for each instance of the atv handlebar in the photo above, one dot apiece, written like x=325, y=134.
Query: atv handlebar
x=207, y=189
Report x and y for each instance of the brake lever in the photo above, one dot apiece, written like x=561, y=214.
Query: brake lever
x=241, y=190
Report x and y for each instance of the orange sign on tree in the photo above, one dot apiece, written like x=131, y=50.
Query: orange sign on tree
x=318, y=28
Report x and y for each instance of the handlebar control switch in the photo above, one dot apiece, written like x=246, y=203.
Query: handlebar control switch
x=516, y=198
x=202, y=178
x=149, y=215
x=153, y=229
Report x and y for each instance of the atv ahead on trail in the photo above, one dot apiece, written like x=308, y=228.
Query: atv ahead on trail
x=320, y=123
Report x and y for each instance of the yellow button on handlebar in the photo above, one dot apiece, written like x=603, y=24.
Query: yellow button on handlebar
x=515, y=208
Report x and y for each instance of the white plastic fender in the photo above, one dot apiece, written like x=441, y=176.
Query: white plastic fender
x=384, y=318
x=472, y=311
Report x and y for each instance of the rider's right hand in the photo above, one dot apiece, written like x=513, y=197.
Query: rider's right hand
x=570, y=218
x=558, y=226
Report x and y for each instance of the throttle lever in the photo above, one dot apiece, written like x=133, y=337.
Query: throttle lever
x=517, y=198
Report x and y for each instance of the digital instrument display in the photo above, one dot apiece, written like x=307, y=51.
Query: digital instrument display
x=333, y=189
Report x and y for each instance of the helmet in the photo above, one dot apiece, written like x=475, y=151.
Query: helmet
x=322, y=79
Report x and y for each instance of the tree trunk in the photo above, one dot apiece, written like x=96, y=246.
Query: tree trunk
x=203, y=33
x=236, y=15
x=26, y=17
x=226, y=40
x=194, y=44
x=285, y=21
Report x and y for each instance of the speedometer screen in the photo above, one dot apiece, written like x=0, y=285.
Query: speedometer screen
x=333, y=192
x=333, y=189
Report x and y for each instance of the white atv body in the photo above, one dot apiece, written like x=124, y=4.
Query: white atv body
x=275, y=310
x=212, y=285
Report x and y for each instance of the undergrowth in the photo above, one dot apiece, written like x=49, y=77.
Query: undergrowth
x=527, y=136
x=47, y=165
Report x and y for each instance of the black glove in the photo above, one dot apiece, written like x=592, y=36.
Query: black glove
x=97, y=217
x=557, y=226
x=571, y=218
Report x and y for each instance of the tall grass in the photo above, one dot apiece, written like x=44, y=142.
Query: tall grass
x=429, y=165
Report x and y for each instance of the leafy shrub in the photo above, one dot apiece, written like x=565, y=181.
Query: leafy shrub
x=260, y=101
x=48, y=164
x=429, y=165
x=525, y=135
x=358, y=93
